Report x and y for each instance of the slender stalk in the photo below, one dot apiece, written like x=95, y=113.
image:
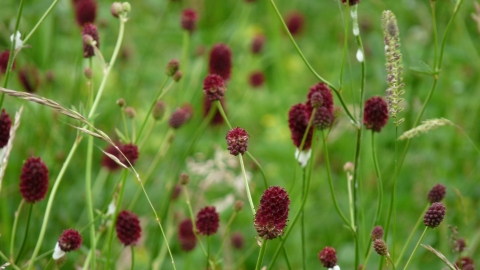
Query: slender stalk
x=14, y=229
x=260, y=256
x=379, y=180
x=184, y=63
x=89, y=198
x=259, y=167
x=133, y=256
x=208, y=251
x=192, y=217
x=435, y=33
x=302, y=221
x=249, y=195
x=391, y=261
x=25, y=235
x=125, y=127
x=222, y=112
x=345, y=44
x=416, y=246
x=392, y=210
x=6, y=259
x=225, y=234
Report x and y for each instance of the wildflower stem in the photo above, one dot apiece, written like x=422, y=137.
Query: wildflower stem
x=133, y=256
x=192, y=217
x=261, y=254
x=225, y=234
x=158, y=262
x=302, y=220
x=391, y=261
x=222, y=112
x=6, y=259
x=259, y=167
x=379, y=180
x=14, y=229
x=89, y=198
x=435, y=33
x=416, y=246
x=345, y=45
x=22, y=247
x=392, y=210
x=125, y=127
x=249, y=195
x=208, y=251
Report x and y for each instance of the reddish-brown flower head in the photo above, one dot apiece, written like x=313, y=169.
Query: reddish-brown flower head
x=312, y=98
x=109, y=163
x=237, y=141
x=207, y=105
x=5, y=126
x=295, y=21
x=323, y=118
x=377, y=232
x=85, y=11
x=298, y=122
x=189, y=19
x=177, y=190
x=207, y=221
x=221, y=61
x=34, y=180
x=237, y=240
x=180, y=116
x=129, y=150
x=257, y=44
x=380, y=247
x=172, y=67
x=437, y=193
x=128, y=228
x=256, y=79
x=187, y=238
x=272, y=214
x=351, y=2
x=465, y=263
x=214, y=87
x=375, y=114
x=70, y=240
x=131, y=153
x=434, y=215
x=328, y=257
x=89, y=30
x=460, y=245
x=28, y=77
x=4, y=61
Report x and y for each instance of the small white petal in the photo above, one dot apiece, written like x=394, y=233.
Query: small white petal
x=111, y=209
x=360, y=55
x=18, y=40
x=303, y=156
x=58, y=252
x=336, y=267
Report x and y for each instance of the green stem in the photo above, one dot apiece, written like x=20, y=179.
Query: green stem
x=124, y=120
x=379, y=181
x=89, y=198
x=391, y=261
x=22, y=247
x=6, y=259
x=259, y=167
x=192, y=217
x=222, y=112
x=435, y=33
x=208, y=251
x=392, y=210
x=416, y=246
x=225, y=234
x=184, y=63
x=133, y=257
x=302, y=221
x=249, y=195
x=14, y=229
x=260, y=256
x=345, y=44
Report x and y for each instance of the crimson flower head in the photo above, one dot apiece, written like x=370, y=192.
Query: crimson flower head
x=214, y=87
x=237, y=240
x=109, y=163
x=34, y=180
x=313, y=99
x=221, y=61
x=180, y=116
x=85, y=11
x=375, y=114
x=189, y=19
x=237, y=141
x=129, y=150
x=131, y=153
x=377, y=232
x=256, y=79
x=4, y=61
x=5, y=126
x=437, y=193
x=295, y=21
x=351, y=2
x=328, y=257
x=70, y=240
x=28, y=77
x=380, y=247
x=257, y=44
x=434, y=215
x=128, y=228
x=298, y=122
x=465, y=263
x=207, y=106
x=207, y=221
x=89, y=34
x=186, y=236
x=323, y=118
x=272, y=214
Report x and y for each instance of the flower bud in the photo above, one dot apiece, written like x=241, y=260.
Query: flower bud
x=183, y=179
x=328, y=257
x=177, y=76
x=207, y=221
x=121, y=102
x=116, y=8
x=238, y=206
x=130, y=112
x=88, y=73
x=172, y=67
x=158, y=110
x=128, y=228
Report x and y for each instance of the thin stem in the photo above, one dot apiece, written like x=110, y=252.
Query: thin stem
x=184, y=63
x=447, y=30
x=6, y=259
x=125, y=127
x=416, y=246
x=89, y=198
x=435, y=33
x=14, y=229
x=208, y=251
x=391, y=261
x=392, y=210
x=225, y=234
x=222, y=112
x=249, y=195
x=379, y=180
x=345, y=45
x=260, y=255
x=25, y=235
x=259, y=167
x=133, y=256
x=302, y=221
x=192, y=217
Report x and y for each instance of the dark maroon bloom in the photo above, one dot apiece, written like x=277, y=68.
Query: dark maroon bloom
x=28, y=77
x=256, y=79
x=328, y=257
x=5, y=125
x=131, y=153
x=129, y=150
x=323, y=118
x=180, y=116
x=460, y=245
x=327, y=98
x=351, y=2
x=257, y=44
x=380, y=247
x=437, y=193
x=214, y=87
x=207, y=105
x=465, y=263
x=375, y=113
x=89, y=30
x=189, y=19
x=237, y=141
x=377, y=232
x=70, y=240
x=298, y=122
x=207, y=221
x=294, y=22
x=221, y=61
x=85, y=11
x=237, y=240
x=128, y=228
x=186, y=236
x=177, y=190
x=272, y=215
x=4, y=61
x=34, y=180
x=109, y=163
x=434, y=215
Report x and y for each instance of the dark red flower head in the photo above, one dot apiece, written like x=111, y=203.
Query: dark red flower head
x=257, y=44
x=109, y=163
x=237, y=141
x=323, y=118
x=207, y=221
x=131, y=153
x=377, y=232
x=328, y=257
x=207, y=105
x=465, y=263
x=186, y=236
x=177, y=190
x=294, y=22
x=180, y=116
x=351, y=2
x=214, y=87
x=221, y=61
x=375, y=113
x=28, y=77
x=34, y=180
x=89, y=30
x=237, y=240
x=437, y=193
x=5, y=126
x=85, y=11
x=128, y=228
x=298, y=122
x=312, y=97
x=434, y=215
x=256, y=79
x=129, y=150
x=70, y=240
x=460, y=245
x=4, y=61
x=380, y=247
x=272, y=214
x=189, y=19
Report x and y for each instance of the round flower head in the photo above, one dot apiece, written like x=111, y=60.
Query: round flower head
x=207, y=105
x=380, y=247
x=256, y=79
x=221, y=61
x=34, y=180
x=85, y=11
x=237, y=141
x=128, y=228
x=323, y=118
x=28, y=77
x=207, y=221
x=70, y=240
x=375, y=114
x=460, y=245
x=437, y=193
x=187, y=238
x=328, y=257
x=89, y=33
x=180, y=116
x=131, y=153
x=237, y=240
x=298, y=122
x=5, y=126
x=434, y=215
x=172, y=67
x=214, y=87
x=4, y=56
x=189, y=19
x=295, y=21
x=272, y=214
x=377, y=233
x=109, y=163
x=313, y=99
x=257, y=44
x=465, y=263
x=351, y=2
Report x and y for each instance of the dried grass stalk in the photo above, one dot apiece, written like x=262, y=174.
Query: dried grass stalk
x=425, y=127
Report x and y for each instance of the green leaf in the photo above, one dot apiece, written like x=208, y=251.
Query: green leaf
x=120, y=135
x=422, y=68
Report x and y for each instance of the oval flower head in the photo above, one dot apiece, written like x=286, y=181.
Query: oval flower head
x=237, y=141
x=128, y=228
x=5, y=126
x=70, y=240
x=220, y=62
x=328, y=258
x=272, y=215
x=34, y=180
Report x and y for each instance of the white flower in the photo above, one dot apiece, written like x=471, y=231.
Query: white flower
x=303, y=156
x=18, y=40
x=336, y=267
x=57, y=252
